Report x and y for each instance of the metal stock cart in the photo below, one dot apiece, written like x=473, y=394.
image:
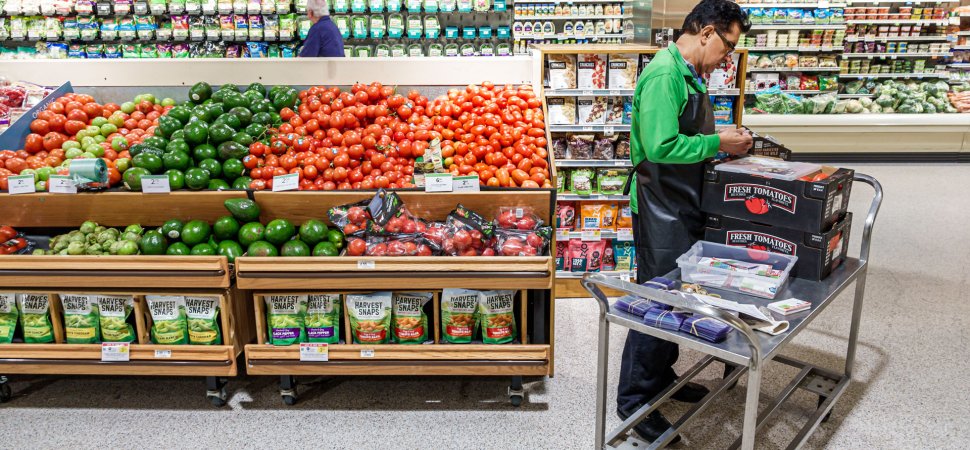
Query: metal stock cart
x=743, y=351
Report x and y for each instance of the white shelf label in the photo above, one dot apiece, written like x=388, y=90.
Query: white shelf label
x=624, y=234
x=155, y=184
x=21, y=184
x=438, y=182
x=587, y=93
x=116, y=351
x=587, y=128
x=467, y=183
x=608, y=131
x=61, y=184
x=616, y=92
x=163, y=354
x=369, y=353
x=620, y=162
x=592, y=235
x=312, y=351
x=288, y=182
x=366, y=265
x=562, y=234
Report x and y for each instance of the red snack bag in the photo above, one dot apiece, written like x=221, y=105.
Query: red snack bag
x=562, y=262
x=586, y=256
x=566, y=215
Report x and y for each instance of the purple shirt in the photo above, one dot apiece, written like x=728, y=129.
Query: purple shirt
x=323, y=40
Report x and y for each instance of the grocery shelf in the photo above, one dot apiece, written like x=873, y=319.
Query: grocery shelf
x=589, y=128
x=604, y=234
x=143, y=271
x=591, y=197
x=960, y=47
x=724, y=91
x=962, y=33
x=796, y=69
x=862, y=121
x=593, y=163
x=856, y=95
x=568, y=275
x=782, y=26
x=809, y=48
x=577, y=17
x=861, y=76
x=561, y=36
x=915, y=2
x=896, y=55
x=896, y=38
x=558, y=2
x=587, y=92
x=897, y=22
x=792, y=4
x=959, y=65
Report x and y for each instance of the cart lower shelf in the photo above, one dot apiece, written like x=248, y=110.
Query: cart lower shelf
x=150, y=359
x=429, y=359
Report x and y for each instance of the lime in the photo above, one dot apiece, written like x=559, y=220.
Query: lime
x=153, y=243
x=230, y=249
x=232, y=168
x=176, y=179
x=225, y=227
x=195, y=232
x=205, y=249
x=295, y=247
x=325, y=249
x=196, y=178
x=279, y=231
x=172, y=229
x=133, y=177
x=313, y=231
x=336, y=238
x=178, y=248
x=251, y=232
x=261, y=248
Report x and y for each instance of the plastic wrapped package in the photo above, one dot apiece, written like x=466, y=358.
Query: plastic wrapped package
x=581, y=146
x=603, y=148
x=560, y=148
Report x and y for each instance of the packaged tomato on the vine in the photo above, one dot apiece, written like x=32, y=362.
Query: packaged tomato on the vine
x=399, y=245
x=517, y=218
x=436, y=232
x=352, y=219
x=391, y=216
x=522, y=242
x=465, y=238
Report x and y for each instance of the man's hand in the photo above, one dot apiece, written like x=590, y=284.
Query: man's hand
x=735, y=141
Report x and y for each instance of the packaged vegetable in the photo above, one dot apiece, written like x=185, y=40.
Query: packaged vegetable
x=791, y=60
x=496, y=310
x=517, y=218
x=114, y=310
x=522, y=242
x=562, y=110
x=562, y=71
x=586, y=256
x=322, y=320
x=410, y=322
x=169, y=326
x=370, y=317
x=202, y=314
x=8, y=317
x=80, y=319
x=459, y=315
x=611, y=181
x=285, y=319
x=809, y=82
x=581, y=181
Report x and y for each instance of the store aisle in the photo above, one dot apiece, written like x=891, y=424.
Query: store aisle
x=910, y=374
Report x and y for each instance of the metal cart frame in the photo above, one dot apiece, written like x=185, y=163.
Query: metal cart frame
x=743, y=351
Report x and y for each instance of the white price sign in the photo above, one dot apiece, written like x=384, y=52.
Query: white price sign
x=61, y=184
x=467, y=183
x=587, y=92
x=288, y=182
x=624, y=234
x=366, y=265
x=312, y=351
x=369, y=353
x=115, y=351
x=163, y=354
x=21, y=184
x=592, y=235
x=155, y=184
x=438, y=182
x=562, y=234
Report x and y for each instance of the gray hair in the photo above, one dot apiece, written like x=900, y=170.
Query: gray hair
x=320, y=8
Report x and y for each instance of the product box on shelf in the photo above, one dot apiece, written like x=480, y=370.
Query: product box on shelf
x=818, y=253
x=811, y=206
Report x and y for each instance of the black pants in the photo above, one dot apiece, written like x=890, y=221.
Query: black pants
x=647, y=365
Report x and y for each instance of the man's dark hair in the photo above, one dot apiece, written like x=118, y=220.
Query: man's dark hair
x=719, y=13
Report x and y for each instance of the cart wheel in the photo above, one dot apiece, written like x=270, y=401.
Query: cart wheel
x=217, y=398
x=289, y=400
x=516, y=392
x=516, y=400
x=5, y=393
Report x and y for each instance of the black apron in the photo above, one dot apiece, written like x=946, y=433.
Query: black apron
x=669, y=218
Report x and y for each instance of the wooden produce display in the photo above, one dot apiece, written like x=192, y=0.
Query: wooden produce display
x=134, y=276
x=532, y=277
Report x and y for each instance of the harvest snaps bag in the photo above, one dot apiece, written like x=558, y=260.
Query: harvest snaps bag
x=323, y=318
x=80, y=319
x=114, y=318
x=35, y=318
x=370, y=317
x=410, y=322
x=496, y=308
x=8, y=317
x=285, y=318
x=459, y=315
x=203, y=314
x=168, y=319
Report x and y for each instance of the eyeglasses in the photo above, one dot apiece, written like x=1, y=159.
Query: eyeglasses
x=728, y=44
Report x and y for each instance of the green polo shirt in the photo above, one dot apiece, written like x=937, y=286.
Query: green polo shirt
x=660, y=98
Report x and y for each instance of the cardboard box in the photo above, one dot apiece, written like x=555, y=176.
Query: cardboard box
x=818, y=253
x=800, y=205
x=767, y=146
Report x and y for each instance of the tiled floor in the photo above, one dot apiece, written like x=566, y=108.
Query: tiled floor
x=911, y=389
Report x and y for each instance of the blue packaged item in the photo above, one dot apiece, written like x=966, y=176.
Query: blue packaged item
x=664, y=319
x=633, y=305
x=503, y=32
x=756, y=15
x=706, y=328
x=76, y=51
x=723, y=110
x=822, y=16
x=485, y=32
x=794, y=15
x=431, y=6
x=661, y=283
x=628, y=111
x=451, y=32
x=468, y=32
x=112, y=51
x=414, y=6
x=778, y=15
x=393, y=5
x=499, y=5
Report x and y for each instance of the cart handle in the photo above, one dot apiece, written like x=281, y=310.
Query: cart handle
x=871, y=216
x=592, y=281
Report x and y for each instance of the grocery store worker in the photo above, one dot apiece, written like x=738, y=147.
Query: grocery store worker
x=671, y=138
x=323, y=39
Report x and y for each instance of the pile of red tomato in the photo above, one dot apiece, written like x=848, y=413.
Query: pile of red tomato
x=369, y=137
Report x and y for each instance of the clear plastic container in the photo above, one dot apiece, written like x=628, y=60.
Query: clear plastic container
x=694, y=269
x=769, y=167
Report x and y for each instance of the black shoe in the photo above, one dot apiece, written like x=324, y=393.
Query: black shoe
x=652, y=427
x=690, y=393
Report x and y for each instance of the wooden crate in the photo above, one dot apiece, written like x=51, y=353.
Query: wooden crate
x=187, y=272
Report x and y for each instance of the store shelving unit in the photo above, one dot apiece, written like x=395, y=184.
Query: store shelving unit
x=784, y=26
x=861, y=76
x=896, y=55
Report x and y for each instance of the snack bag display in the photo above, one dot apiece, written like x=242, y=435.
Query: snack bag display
x=370, y=317
x=496, y=309
x=586, y=256
x=80, y=319
x=35, y=318
x=410, y=323
x=459, y=315
x=169, y=326
x=285, y=319
x=115, y=310
x=323, y=318
x=203, y=320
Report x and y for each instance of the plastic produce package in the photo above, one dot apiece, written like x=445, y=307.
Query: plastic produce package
x=517, y=218
x=522, y=243
x=370, y=317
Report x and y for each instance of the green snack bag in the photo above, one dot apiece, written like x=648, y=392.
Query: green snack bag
x=370, y=317
x=410, y=322
x=35, y=318
x=459, y=315
x=285, y=319
x=323, y=318
x=8, y=317
x=203, y=314
x=168, y=319
x=496, y=308
x=80, y=319
x=115, y=310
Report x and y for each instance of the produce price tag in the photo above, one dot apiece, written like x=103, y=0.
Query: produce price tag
x=624, y=234
x=288, y=182
x=115, y=351
x=587, y=128
x=312, y=351
x=438, y=182
x=369, y=353
x=62, y=184
x=562, y=234
x=21, y=184
x=141, y=8
x=163, y=354
x=592, y=235
x=587, y=92
x=468, y=183
x=366, y=265
x=155, y=184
